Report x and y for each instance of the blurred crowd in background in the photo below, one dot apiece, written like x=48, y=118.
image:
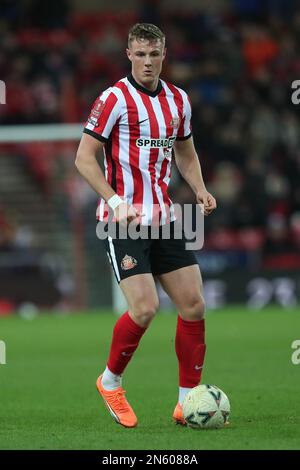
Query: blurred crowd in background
x=237, y=63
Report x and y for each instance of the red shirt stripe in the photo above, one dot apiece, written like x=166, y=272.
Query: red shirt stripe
x=179, y=103
x=169, y=128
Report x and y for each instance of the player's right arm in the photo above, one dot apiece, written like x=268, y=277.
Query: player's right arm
x=87, y=165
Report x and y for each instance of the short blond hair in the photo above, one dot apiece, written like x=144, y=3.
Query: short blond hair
x=146, y=31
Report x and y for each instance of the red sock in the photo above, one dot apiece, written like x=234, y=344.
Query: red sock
x=125, y=340
x=190, y=349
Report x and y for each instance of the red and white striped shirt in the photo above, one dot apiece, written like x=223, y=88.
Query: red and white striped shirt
x=139, y=128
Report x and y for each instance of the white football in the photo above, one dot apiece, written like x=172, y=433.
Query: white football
x=206, y=407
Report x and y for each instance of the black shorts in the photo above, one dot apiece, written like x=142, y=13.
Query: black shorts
x=129, y=257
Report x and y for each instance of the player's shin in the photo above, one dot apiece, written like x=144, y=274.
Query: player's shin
x=190, y=349
x=125, y=340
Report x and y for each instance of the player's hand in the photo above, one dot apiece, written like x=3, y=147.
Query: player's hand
x=125, y=214
x=209, y=202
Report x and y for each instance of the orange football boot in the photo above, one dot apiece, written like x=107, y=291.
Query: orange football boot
x=117, y=405
x=177, y=415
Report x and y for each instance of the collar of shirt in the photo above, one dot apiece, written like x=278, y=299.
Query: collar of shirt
x=143, y=89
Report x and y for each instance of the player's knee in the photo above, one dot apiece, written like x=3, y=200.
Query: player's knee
x=194, y=309
x=145, y=311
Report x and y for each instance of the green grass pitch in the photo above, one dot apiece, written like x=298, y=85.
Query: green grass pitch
x=48, y=398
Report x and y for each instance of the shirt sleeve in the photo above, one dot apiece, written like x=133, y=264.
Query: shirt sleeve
x=103, y=116
x=185, y=126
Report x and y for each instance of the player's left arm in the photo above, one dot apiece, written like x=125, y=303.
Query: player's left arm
x=188, y=164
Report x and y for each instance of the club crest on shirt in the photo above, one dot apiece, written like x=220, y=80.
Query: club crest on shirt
x=175, y=122
x=168, y=153
x=128, y=262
